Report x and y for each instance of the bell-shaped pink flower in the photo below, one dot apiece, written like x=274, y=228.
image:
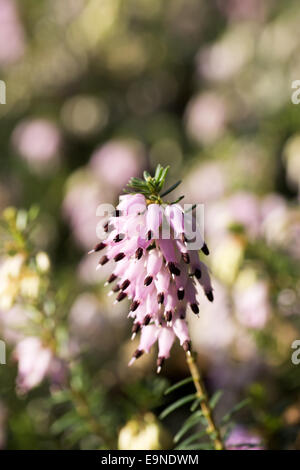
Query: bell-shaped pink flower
x=174, y=215
x=166, y=338
x=153, y=220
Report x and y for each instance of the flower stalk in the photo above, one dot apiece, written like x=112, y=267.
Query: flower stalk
x=212, y=430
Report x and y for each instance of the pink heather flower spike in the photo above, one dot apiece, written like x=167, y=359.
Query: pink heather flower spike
x=158, y=274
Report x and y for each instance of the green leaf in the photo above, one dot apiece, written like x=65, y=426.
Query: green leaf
x=178, y=385
x=136, y=184
x=236, y=408
x=229, y=427
x=136, y=180
x=169, y=190
x=177, y=404
x=162, y=178
x=188, y=424
x=178, y=200
x=190, y=439
x=146, y=175
x=195, y=404
x=158, y=172
x=215, y=398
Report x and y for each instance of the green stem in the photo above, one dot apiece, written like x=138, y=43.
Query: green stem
x=212, y=430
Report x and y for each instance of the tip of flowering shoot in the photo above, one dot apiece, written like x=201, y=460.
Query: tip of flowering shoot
x=205, y=249
x=170, y=270
x=210, y=296
x=150, y=186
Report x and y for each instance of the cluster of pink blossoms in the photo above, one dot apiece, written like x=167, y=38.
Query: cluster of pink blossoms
x=157, y=273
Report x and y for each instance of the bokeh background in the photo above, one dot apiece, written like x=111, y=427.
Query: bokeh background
x=97, y=92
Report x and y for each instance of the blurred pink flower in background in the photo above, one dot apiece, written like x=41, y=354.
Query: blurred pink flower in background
x=117, y=161
x=109, y=169
x=242, y=208
x=234, y=377
x=87, y=323
x=242, y=439
x=198, y=184
x=206, y=117
x=281, y=224
x=224, y=58
x=12, y=39
x=214, y=330
x=12, y=324
x=252, y=305
x=35, y=362
x=245, y=10
x=84, y=193
x=272, y=207
x=38, y=142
